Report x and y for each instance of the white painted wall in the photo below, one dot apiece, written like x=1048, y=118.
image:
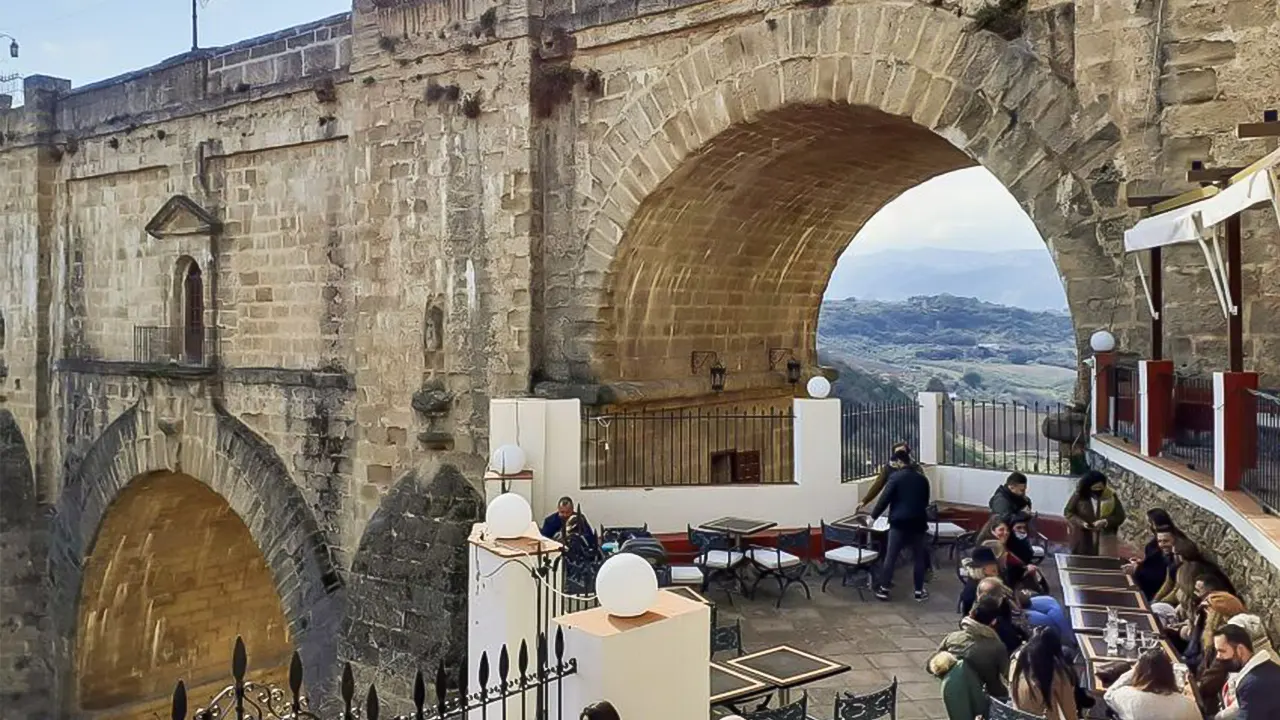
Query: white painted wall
x=970, y=486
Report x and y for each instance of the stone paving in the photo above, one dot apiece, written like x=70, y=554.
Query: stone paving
x=879, y=640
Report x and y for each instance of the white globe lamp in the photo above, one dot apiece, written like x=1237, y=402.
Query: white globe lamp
x=508, y=516
x=626, y=585
x=507, y=460
x=1102, y=341
x=818, y=387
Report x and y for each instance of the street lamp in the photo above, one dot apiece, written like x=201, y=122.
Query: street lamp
x=13, y=44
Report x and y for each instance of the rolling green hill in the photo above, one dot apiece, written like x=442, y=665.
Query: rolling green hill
x=966, y=346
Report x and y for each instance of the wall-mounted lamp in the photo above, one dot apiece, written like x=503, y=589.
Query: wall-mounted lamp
x=699, y=358
x=13, y=46
x=793, y=365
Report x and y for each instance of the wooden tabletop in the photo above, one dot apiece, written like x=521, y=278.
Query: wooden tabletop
x=1096, y=579
x=737, y=526
x=1066, y=561
x=1094, y=649
x=728, y=684
x=1094, y=620
x=1104, y=598
x=785, y=667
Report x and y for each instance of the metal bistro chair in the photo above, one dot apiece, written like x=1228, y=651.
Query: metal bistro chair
x=727, y=637
x=622, y=534
x=798, y=710
x=853, y=553
x=943, y=533
x=1001, y=711
x=716, y=557
x=871, y=706
x=787, y=562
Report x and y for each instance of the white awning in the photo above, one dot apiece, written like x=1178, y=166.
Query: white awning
x=1180, y=225
x=1256, y=186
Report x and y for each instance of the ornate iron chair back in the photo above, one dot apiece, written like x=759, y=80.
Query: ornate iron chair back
x=871, y=706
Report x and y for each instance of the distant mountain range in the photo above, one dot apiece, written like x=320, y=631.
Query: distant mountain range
x=1019, y=278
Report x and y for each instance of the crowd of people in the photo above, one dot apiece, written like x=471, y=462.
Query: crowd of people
x=1015, y=643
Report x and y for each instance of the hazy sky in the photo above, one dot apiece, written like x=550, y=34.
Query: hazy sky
x=89, y=40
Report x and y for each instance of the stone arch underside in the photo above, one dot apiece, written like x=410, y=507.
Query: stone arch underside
x=243, y=470
x=173, y=578
x=25, y=671
x=729, y=186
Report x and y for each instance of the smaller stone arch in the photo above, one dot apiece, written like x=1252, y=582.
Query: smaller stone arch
x=180, y=433
x=409, y=578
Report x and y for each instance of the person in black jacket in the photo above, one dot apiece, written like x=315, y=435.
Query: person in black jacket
x=1008, y=500
x=1259, y=675
x=906, y=495
x=1151, y=570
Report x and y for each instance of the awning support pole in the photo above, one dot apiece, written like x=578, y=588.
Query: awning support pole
x=1235, y=321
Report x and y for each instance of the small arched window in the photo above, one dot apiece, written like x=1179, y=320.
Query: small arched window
x=189, y=310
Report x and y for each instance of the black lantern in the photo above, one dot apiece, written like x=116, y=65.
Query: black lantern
x=717, y=377
x=793, y=371
x=1270, y=116
x=13, y=46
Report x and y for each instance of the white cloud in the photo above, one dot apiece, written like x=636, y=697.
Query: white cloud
x=963, y=210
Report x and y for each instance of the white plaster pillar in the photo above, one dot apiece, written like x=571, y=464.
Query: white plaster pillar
x=930, y=451
x=653, y=667
x=817, y=442
x=502, y=607
x=1144, y=409
x=1093, y=397
x=550, y=433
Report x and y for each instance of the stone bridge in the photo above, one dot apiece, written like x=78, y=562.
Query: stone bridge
x=254, y=300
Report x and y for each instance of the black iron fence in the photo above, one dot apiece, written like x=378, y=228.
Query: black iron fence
x=173, y=345
x=1125, y=415
x=868, y=432
x=1003, y=435
x=1262, y=478
x=532, y=681
x=1189, y=436
x=686, y=446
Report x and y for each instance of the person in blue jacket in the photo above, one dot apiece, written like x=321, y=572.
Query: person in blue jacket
x=554, y=525
x=1044, y=611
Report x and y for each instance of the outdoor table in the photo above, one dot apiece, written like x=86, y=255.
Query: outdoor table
x=1094, y=650
x=1104, y=598
x=858, y=521
x=689, y=594
x=1094, y=620
x=785, y=667
x=737, y=527
x=1088, y=579
x=1067, y=561
x=728, y=684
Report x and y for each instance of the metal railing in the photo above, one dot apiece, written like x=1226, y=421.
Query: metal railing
x=1125, y=417
x=1262, y=480
x=537, y=679
x=868, y=432
x=1190, y=436
x=191, y=346
x=997, y=435
x=686, y=446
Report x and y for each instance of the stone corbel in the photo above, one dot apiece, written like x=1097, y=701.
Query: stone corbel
x=433, y=402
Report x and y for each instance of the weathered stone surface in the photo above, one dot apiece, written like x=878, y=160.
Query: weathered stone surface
x=1255, y=578
x=1188, y=87
x=408, y=584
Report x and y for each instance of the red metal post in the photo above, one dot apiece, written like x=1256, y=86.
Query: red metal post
x=1158, y=404
x=1240, y=427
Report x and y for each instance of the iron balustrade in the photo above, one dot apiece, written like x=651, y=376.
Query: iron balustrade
x=191, y=346
x=454, y=698
x=1190, y=436
x=686, y=446
x=1262, y=480
x=869, y=431
x=1125, y=415
x=1003, y=435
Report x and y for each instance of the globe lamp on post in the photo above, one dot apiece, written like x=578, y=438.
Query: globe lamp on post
x=626, y=585
x=507, y=460
x=818, y=387
x=1102, y=341
x=508, y=516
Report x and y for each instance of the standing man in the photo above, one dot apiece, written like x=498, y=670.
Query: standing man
x=906, y=495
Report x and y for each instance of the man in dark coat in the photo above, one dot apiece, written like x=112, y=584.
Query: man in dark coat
x=906, y=496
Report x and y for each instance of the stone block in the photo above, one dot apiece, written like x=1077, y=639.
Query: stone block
x=1192, y=86
x=1195, y=54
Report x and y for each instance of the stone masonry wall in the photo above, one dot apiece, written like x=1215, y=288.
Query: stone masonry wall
x=1255, y=578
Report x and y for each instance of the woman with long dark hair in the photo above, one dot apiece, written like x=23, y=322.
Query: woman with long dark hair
x=1151, y=690
x=1040, y=680
x=1095, y=515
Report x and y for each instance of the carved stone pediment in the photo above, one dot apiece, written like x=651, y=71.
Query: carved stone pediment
x=181, y=216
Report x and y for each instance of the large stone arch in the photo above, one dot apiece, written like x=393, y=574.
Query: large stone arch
x=772, y=132
x=25, y=671
x=180, y=431
x=409, y=581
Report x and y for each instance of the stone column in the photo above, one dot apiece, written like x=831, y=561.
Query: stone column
x=1155, y=408
x=817, y=445
x=1235, y=428
x=649, y=667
